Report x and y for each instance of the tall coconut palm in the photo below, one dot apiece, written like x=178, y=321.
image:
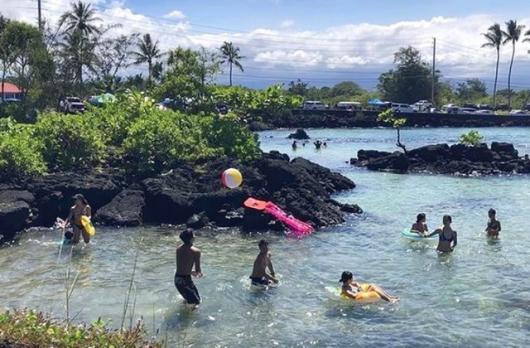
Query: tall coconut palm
x=147, y=52
x=494, y=39
x=230, y=54
x=79, y=27
x=512, y=34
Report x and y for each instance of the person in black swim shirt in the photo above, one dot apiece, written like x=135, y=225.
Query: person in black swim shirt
x=263, y=261
x=188, y=256
x=494, y=226
x=447, y=236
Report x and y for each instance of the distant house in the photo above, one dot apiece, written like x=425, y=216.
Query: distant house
x=11, y=92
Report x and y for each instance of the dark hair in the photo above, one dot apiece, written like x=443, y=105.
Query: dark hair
x=421, y=216
x=263, y=242
x=80, y=197
x=346, y=276
x=186, y=236
x=448, y=217
x=492, y=211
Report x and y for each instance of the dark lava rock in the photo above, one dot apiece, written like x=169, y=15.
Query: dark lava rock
x=430, y=153
x=126, y=209
x=197, y=221
x=332, y=181
x=478, y=153
x=396, y=162
x=15, y=212
x=364, y=155
x=505, y=150
x=299, y=134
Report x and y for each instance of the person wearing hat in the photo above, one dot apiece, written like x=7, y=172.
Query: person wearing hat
x=350, y=288
x=80, y=208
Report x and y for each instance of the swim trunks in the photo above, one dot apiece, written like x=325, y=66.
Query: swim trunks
x=259, y=281
x=187, y=289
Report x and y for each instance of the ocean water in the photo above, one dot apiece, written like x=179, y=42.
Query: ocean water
x=479, y=296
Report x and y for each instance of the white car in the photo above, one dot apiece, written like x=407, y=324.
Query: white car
x=350, y=106
x=520, y=113
x=485, y=112
x=397, y=107
x=314, y=105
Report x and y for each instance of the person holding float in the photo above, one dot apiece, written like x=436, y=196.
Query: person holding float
x=447, y=237
x=79, y=219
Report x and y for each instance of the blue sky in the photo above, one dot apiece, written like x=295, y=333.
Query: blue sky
x=320, y=41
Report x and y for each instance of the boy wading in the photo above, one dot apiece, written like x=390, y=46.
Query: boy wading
x=188, y=256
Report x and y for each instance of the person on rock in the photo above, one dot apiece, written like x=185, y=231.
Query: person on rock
x=420, y=226
x=259, y=276
x=494, y=226
x=350, y=288
x=447, y=236
x=79, y=209
x=188, y=257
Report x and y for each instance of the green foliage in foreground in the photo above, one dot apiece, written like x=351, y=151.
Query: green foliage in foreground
x=19, y=155
x=33, y=329
x=471, y=138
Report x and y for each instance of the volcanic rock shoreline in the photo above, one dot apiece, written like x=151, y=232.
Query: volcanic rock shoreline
x=457, y=159
x=188, y=194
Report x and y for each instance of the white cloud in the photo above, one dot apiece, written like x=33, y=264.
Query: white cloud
x=176, y=14
x=287, y=23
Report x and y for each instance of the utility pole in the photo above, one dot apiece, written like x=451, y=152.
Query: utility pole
x=433, y=69
x=40, y=14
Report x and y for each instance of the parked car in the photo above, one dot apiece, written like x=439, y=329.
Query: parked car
x=484, y=107
x=467, y=110
x=350, y=106
x=314, y=105
x=484, y=112
x=451, y=109
x=422, y=106
x=470, y=106
x=527, y=107
x=72, y=105
x=397, y=107
x=520, y=113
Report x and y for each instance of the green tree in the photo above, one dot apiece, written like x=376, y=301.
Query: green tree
x=471, y=138
x=147, y=52
x=471, y=90
x=209, y=66
x=494, y=39
x=230, y=54
x=389, y=117
x=298, y=88
x=345, y=89
x=512, y=34
x=410, y=81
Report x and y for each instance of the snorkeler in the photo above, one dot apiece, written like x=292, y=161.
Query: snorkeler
x=494, y=226
x=447, y=236
x=420, y=225
x=350, y=288
x=263, y=261
x=188, y=256
x=79, y=209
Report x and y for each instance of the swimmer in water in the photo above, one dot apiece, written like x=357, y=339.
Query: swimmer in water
x=494, y=226
x=188, y=256
x=79, y=209
x=447, y=236
x=351, y=288
x=263, y=261
x=420, y=227
x=294, y=145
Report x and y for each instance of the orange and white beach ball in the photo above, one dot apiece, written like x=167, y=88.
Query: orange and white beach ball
x=232, y=178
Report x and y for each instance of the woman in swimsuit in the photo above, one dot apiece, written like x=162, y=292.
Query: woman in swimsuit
x=350, y=288
x=79, y=209
x=447, y=236
x=420, y=227
x=494, y=226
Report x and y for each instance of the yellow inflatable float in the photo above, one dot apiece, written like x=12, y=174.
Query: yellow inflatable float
x=366, y=295
x=87, y=225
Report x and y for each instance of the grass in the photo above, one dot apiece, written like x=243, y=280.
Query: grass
x=27, y=328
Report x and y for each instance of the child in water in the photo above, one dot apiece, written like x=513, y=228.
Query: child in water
x=420, y=226
x=259, y=276
x=494, y=226
x=350, y=288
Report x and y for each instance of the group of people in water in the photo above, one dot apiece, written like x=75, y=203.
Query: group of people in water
x=318, y=144
x=447, y=237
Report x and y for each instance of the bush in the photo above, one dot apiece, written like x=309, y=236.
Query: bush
x=69, y=141
x=20, y=155
x=33, y=329
x=471, y=138
x=160, y=139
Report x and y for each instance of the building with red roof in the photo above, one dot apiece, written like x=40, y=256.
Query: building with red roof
x=11, y=91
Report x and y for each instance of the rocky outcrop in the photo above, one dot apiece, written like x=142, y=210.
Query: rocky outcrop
x=15, y=212
x=188, y=194
x=299, y=134
x=457, y=159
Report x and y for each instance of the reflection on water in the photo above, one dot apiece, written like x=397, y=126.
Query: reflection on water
x=477, y=296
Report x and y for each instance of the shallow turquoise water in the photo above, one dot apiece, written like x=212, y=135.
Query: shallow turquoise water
x=478, y=296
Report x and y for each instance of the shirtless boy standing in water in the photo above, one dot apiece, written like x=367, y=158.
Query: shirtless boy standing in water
x=187, y=257
x=263, y=261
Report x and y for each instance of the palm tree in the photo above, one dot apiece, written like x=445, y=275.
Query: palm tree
x=494, y=39
x=147, y=52
x=230, y=55
x=512, y=34
x=79, y=30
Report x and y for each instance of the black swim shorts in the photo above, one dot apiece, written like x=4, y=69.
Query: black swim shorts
x=187, y=289
x=259, y=281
